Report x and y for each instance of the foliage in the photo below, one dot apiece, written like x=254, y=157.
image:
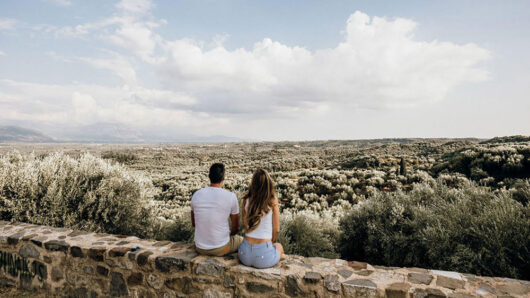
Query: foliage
x=86, y=193
x=468, y=229
x=302, y=236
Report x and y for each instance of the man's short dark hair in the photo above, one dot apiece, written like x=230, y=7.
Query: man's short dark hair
x=217, y=173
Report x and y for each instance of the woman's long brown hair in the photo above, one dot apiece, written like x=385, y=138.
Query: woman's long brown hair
x=260, y=196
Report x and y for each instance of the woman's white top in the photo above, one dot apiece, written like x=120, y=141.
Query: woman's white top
x=264, y=229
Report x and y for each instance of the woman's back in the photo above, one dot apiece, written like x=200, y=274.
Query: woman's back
x=264, y=229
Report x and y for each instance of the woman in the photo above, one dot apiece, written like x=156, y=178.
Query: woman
x=261, y=220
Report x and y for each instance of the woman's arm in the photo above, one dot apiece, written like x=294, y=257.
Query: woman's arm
x=275, y=219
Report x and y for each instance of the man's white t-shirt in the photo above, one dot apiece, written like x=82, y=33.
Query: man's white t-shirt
x=212, y=207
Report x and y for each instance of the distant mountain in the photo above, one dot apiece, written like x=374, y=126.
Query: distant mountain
x=116, y=133
x=16, y=134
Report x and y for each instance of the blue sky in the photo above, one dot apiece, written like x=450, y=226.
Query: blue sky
x=270, y=70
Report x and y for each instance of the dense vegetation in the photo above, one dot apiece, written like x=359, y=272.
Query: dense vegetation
x=448, y=204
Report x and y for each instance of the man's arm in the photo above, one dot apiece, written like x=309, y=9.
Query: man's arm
x=192, y=219
x=234, y=218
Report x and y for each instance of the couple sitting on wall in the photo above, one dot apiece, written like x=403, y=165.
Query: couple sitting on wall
x=212, y=206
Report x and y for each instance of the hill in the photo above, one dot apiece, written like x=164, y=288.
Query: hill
x=16, y=134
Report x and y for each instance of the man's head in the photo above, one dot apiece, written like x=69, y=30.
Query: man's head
x=217, y=173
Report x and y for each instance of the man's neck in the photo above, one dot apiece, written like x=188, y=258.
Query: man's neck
x=219, y=185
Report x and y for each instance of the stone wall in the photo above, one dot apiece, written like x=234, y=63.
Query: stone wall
x=62, y=262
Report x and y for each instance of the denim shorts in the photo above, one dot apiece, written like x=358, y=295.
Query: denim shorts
x=263, y=255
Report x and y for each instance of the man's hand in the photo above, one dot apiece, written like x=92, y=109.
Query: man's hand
x=234, y=218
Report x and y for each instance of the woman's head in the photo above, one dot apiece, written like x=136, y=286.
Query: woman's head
x=260, y=197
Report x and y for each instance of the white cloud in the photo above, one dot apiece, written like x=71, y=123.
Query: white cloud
x=135, y=6
x=7, y=24
x=378, y=64
x=2, y=53
x=59, y=2
x=85, y=104
x=118, y=65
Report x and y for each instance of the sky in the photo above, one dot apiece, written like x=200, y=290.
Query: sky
x=268, y=70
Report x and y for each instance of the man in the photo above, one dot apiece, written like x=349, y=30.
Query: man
x=210, y=209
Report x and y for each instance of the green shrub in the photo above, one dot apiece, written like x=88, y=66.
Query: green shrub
x=86, y=193
x=301, y=236
x=121, y=157
x=469, y=229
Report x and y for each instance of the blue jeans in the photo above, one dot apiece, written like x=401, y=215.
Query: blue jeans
x=263, y=255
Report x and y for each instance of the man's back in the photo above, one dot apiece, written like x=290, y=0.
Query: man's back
x=212, y=207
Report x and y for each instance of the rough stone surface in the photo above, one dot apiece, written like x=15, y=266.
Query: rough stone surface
x=155, y=281
x=331, y=282
x=428, y=293
x=256, y=287
x=56, y=245
x=28, y=251
x=117, y=285
x=179, y=262
x=102, y=270
x=312, y=277
x=398, y=290
x=345, y=273
x=143, y=257
x=76, y=252
x=292, y=286
x=450, y=280
x=136, y=278
x=52, y=262
x=210, y=267
x=97, y=253
x=419, y=278
x=359, y=288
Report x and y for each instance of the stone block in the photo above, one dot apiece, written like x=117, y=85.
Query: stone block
x=359, y=288
x=210, y=267
x=136, y=278
x=345, y=273
x=102, y=270
x=76, y=252
x=118, y=251
x=183, y=284
x=155, y=281
x=292, y=286
x=428, y=293
x=179, y=262
x=229, y=281
x=40, y=269
x=57, y=245
x=260, y=288
x=57, y=274
x=162, y=243
x=28, y=251
x=13, y=239
x=143, y=258
x=312, y=277
x=273, y=273
x=358, y=265
x=419, y=278
x=118, y=287
x=97, y=253
x=39, y=240
x=331, y=282
x=514, y=289
x=213, y=293
x=449, y=279
x=398, y=290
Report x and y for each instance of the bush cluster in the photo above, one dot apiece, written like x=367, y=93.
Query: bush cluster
x=468, y=229
x=86, y=193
